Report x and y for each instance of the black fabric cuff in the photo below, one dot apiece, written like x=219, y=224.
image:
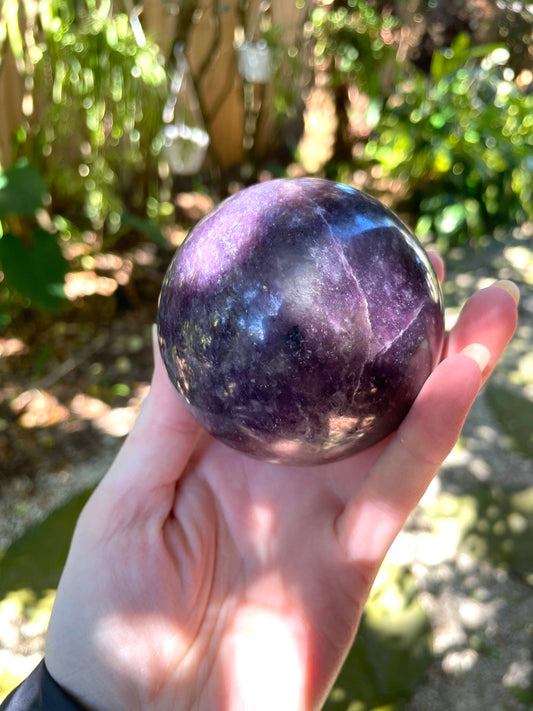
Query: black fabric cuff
x=39, y=692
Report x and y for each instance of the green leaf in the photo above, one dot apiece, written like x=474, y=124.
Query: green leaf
x=5, y=319
x=22, y=189
x=449, y=59
x=461, y=53
x=37, y=273
x=461, y=48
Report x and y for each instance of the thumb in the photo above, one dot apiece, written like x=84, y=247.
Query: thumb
x=162, y=439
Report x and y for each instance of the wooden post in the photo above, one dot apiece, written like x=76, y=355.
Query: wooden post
x=11, y=95
x=212, y=56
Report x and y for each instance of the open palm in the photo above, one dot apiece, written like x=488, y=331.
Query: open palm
x=199, y=578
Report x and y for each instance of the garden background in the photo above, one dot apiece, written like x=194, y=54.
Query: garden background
x=120, y=126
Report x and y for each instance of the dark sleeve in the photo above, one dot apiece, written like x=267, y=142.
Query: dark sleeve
x=39, y=692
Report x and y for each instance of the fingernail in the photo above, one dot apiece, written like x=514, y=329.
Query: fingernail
x=479, y=353
x=510, y=287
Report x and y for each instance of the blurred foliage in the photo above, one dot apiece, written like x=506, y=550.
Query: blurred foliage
x=462, y=139
x=350, y=42
x=94, y=100
x=22, y=191
x=458, y=137
x=289, y=66
x=93, y=105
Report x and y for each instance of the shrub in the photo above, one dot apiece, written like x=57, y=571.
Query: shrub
x=97, y=97
x=462, y=140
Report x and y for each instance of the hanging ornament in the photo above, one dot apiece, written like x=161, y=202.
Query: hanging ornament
x=254, y=56
x=255, y=61
x=183, y=137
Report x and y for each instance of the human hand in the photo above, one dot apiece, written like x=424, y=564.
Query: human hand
x=199, y=578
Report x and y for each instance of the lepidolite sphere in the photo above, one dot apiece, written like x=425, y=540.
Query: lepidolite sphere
x=299, y=320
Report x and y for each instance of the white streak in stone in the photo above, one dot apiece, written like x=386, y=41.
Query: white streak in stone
x=345, y=264
x=389, y=345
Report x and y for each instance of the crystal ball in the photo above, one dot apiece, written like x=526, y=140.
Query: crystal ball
x=299, y=320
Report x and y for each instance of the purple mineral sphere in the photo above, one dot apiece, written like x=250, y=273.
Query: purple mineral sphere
x=299, y=320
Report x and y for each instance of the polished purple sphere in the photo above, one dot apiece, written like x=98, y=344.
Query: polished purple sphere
x=299, y=320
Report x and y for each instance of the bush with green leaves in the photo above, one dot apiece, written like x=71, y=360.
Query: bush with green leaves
x=461, y=139
x=354, y=41
x=97, y=94
x=93, y=105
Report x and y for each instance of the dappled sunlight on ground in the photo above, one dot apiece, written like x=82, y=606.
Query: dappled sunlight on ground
x=469, y=543
x=89, y=280
x=12, y=347
x=86, y=283
x=39, y=408
x=36, y=408
x=23, y=623
x=521, y=259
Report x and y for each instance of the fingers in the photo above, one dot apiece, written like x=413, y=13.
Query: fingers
x=489, y=317
x=402, y=473
x=404, y=470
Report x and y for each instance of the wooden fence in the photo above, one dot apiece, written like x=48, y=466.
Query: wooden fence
x=210, y=49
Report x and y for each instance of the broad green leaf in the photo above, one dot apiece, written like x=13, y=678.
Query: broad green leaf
x=5, y=319
x=486, y=50
x=461, y=53
x=37, y=273
x=22, y=189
